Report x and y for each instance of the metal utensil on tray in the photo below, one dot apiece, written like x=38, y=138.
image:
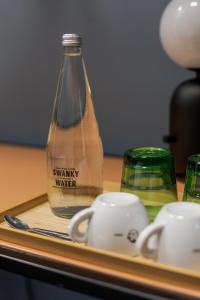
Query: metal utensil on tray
x=19, y=224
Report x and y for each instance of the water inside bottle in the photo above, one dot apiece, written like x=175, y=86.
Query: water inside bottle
x=67, y=202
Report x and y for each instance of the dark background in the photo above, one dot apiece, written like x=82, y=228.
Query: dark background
x=130, y=75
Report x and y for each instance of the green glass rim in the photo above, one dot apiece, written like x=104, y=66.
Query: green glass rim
x=148, y=156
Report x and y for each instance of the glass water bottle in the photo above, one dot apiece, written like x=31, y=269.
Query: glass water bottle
x=74, y=149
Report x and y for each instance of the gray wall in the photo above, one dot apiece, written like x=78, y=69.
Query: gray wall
x=130, y=75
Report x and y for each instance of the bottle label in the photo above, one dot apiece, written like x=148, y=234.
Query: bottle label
x=65, y=177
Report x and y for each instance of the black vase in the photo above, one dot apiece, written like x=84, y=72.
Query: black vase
x=184, y=137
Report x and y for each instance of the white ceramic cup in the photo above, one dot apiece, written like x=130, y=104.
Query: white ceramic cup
x=174, y=237
x=115, y=221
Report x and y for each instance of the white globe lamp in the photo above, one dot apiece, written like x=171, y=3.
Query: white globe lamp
x=180, y=32
x=180, y=38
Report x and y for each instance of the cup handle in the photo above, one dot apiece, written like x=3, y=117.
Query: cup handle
x=143, y=239
x=73, y=227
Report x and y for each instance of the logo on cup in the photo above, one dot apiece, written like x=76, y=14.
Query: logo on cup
x=133, y=235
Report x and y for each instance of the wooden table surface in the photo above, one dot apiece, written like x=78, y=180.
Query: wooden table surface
x=23, y=173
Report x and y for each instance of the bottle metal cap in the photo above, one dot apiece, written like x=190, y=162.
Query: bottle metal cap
x=71, y=39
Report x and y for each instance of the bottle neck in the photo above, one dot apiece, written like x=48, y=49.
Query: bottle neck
x=72, y=50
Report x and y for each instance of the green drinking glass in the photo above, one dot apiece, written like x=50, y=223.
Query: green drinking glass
x=148, y=172
x=192, y=179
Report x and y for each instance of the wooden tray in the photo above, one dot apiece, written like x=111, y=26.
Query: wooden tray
x=132, y=270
